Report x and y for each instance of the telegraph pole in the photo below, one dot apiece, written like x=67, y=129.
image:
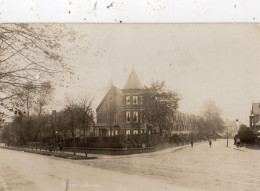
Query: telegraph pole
x=110, y=122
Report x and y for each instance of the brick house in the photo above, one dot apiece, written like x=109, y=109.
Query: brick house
x=120, y=111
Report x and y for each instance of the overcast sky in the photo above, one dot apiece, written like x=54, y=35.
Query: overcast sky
x=219, y=62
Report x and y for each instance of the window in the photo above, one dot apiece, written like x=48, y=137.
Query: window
x=127, y=100
x=135, y=100
x=128, y=116
x=135, y=132
x=135, y=116
x=127, y=132
x=142, y=131
x=116, y=132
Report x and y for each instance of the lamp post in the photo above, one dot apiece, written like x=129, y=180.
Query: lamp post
x=53, y=119
x=237, y=124
x=227, y=134
x=110, y=114
x=56, y=132
x=227, y=138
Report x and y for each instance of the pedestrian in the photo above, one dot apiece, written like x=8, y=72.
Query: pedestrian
x=238, y=142
x=210, y=143
x=191, y=143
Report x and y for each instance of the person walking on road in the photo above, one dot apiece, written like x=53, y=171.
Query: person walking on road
x=210, y=143
x=191, y=143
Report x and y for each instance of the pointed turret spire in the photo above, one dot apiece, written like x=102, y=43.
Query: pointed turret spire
x=133, y=81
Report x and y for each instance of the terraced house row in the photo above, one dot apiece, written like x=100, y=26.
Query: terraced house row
x=121, y=112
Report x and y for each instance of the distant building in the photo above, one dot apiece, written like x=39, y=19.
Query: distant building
x=120, y=111
x=231, y=128
x=185, y=123
x=254, y=118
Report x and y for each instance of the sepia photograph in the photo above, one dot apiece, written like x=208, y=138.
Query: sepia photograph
x=128, y=106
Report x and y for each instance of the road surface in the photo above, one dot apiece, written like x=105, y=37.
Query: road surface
x=184, y=168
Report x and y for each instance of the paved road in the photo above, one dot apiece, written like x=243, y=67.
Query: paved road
x=198, y=168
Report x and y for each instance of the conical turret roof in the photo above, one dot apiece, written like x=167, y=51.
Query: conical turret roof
x=133, y=81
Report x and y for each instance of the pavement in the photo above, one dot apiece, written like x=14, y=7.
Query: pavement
x=218, y=168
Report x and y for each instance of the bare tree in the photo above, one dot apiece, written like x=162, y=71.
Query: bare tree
x=43, y=97
x=212, y=116
x=63, y=122
x=71, y=109
x=85, y=115
x=25, y=99
x=78, y=114
x=28, y=54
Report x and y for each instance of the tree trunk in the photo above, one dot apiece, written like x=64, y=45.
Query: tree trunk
x=40, y=128
x=74, y=142
x=40, y=139
x=27, y=106
x=63, y=144
x=85, y=141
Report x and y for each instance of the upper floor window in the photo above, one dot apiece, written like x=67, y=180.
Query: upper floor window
x=135, y=116
x=127, y=100
x=135, y=100
x=128, y=116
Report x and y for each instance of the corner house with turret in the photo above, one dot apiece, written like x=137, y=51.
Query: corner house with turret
x=120, y=111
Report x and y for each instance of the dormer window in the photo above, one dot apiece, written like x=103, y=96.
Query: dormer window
x=135, y=100
x=127, y=100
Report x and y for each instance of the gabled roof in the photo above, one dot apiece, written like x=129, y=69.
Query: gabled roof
x=112, y=90
x=256, y=108
x=133, y=81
